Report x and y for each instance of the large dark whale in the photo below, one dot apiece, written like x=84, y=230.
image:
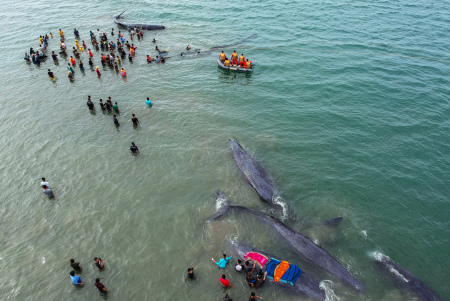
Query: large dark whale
x=130, y=26
x=255, y=174
x=406, y=279
x=305, y=285
x=300, y=244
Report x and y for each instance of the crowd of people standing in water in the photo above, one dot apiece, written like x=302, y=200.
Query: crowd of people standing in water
x=76, y=279
x=113, y=51
x=255, y=278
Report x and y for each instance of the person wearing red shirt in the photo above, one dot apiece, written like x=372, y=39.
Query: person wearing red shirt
x=225, y=281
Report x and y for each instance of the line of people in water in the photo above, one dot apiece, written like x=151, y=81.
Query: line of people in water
x=255, y=279
x=236, y=60
x=109, y=107
x=76, y=279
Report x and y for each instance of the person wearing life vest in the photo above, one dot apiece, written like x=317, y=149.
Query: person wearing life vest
x=248, y=64
x=149, y=59
x=234, y=58
x=122, y=72
x=90, y=53
x=242, y=60
x=131, y=51
x=227, y=62
x=222, y=56
x=72, y=60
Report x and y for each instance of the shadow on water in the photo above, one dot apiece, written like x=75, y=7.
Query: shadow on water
x=232, y=77
x=93, y=112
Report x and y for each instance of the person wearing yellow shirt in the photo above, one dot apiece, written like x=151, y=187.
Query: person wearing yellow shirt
x=242, y=60
x=227, y=62
x=40, y=40
x=248, y=64
x=234, y=58
x=222, y=56
x=76, y=44
x=61, y=33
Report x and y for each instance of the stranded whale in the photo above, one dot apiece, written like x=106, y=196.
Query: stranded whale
x=300, y=244
x=255, y=174
x=130, y=26
x=406, y=279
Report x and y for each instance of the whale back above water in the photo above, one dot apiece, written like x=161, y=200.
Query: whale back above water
x=130, y=26
x=305, y=285
x=255, y=174
x=406, y=279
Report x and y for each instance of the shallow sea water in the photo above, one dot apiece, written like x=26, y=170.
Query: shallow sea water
x=347, y=110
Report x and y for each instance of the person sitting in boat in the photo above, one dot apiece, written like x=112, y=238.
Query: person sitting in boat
x=234, y=58
x=222, y=56
x=242, y=60
x=188, y=48
x=227, y=62
x=248, y=64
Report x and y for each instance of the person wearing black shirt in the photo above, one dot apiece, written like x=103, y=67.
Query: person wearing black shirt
x=90, y=104
x=190, y=273
x=54, y=56
x=102, y=105
x=134, y=120
x=50, y=74
x=134, y=149
x=75, y=265
x=116, y=122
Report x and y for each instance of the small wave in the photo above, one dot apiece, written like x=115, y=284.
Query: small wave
x=327, y=286
x=279, y=201
x=377, y=256
x=220, y=203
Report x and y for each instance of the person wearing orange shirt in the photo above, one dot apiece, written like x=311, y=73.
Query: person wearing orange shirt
x=248, y=64
x=242, y=60
x=234, y=58
x=90, y=53
x=222, y=56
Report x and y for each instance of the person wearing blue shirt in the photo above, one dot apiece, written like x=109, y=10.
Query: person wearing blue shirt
x=76, y=280
x=223, y=261
x=148, y=102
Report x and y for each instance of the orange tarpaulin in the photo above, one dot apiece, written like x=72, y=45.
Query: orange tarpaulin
x=280, y=270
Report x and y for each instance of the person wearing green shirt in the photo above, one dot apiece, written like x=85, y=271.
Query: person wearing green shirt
x=116, y=107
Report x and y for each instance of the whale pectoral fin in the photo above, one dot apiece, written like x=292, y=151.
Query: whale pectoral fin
x=334, y=222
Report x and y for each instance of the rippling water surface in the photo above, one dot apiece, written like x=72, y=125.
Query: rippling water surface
x=347, y=110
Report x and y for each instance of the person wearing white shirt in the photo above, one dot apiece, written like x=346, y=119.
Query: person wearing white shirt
x=44, y=182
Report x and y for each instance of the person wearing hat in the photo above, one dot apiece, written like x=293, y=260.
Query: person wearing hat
x=98, y=71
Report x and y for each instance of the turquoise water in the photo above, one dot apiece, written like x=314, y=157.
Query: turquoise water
x=347, y=109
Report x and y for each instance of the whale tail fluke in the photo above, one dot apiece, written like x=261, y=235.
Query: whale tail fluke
x=116, y=17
